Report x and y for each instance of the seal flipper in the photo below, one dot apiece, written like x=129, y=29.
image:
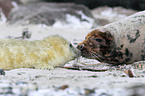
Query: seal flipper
x=2, y=72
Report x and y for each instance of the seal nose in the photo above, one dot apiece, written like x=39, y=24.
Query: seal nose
x=80, y=47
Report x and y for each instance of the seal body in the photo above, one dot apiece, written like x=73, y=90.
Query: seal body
x=41, y=54
x=121, y=42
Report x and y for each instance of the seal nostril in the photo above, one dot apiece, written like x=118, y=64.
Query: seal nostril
x=80, y=46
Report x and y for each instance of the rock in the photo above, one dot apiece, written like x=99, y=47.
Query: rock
x=133, y=4
x=63, y=87
x=106, y=15
x=6, y=6
x=28, y=1
x=50, y=13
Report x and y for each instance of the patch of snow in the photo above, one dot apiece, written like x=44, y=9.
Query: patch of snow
x=73, y=22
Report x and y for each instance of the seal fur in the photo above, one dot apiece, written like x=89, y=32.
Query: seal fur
x=121, y=42
x=41, y=54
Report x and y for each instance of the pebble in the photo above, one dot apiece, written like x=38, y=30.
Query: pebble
x=2, y=72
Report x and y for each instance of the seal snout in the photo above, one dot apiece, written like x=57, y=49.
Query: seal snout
x=83, y=49
x=81, y=46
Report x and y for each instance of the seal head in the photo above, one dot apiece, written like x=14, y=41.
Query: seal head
x=97, y=45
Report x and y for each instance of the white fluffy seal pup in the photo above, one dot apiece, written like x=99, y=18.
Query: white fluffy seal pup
x=41, y=54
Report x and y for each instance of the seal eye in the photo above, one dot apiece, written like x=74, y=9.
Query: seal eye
x=98, y=40
x=70, y=45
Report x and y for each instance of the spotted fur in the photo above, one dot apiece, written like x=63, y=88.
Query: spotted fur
x=121, y=42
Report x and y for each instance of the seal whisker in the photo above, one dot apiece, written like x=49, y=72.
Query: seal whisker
x=95, y=55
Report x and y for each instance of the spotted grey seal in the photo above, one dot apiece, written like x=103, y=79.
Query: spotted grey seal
x=120, y=42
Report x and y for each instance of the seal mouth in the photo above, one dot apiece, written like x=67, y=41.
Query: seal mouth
x=90, y=54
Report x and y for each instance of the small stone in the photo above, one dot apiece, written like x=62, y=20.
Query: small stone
x=114, y=74
x=2, y=72
x=130, y=73
x=64, y=87
x=89, y=91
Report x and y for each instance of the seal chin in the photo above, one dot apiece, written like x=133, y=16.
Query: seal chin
x=90, y=54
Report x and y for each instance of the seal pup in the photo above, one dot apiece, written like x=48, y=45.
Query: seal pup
x=120, y=42
x=41, y=54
